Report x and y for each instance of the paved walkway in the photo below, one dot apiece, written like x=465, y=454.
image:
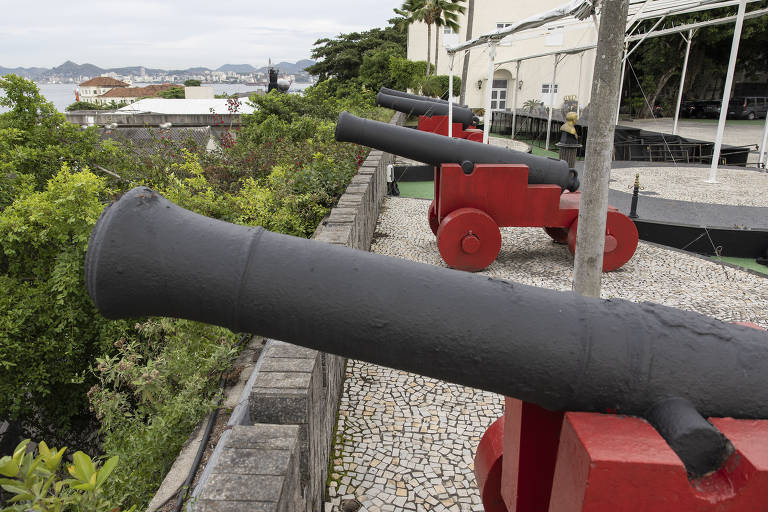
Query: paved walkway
x=406, y=442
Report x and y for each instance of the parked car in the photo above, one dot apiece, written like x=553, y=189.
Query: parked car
x=700, y=108
x=747, y=107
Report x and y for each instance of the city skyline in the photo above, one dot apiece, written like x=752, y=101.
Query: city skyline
x=176, y=35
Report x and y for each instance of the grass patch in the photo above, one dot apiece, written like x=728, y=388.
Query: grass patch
x=749, y=263
x=417, y=189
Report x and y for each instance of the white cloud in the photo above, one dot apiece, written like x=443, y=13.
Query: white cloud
x=176, y=34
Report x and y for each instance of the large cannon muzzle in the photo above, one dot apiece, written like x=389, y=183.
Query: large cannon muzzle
x=148, y=256
x=418, y=107
x=436, y=149
x=395, y=92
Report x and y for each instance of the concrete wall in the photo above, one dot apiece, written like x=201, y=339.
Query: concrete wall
x=100, y=118
x=296, y=387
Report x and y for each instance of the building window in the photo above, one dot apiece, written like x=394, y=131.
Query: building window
x=448, y=31
x=502, y=24
x=499, y=95
x=546, y=94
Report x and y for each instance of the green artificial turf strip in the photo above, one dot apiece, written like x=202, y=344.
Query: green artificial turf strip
x=417, y=189
x=749, y=263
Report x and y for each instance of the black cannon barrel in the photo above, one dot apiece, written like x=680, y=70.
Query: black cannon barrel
x=395, y=92
x=147, y=256
x=425, y=108
x=436, y=149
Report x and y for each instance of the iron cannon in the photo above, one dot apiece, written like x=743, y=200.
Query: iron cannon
x=147, y=256
x=395, y=92
x=427, y=108
x=436, y=150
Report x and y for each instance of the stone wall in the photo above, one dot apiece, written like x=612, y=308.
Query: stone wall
x=297, y=387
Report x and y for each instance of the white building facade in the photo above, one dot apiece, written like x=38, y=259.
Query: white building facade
x=91, y=89
x=534, y=83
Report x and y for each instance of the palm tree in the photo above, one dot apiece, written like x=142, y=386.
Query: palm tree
x=416, y=10
x=445, y=14
x=465, y=68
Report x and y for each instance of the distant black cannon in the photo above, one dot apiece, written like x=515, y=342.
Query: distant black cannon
x=436, y=150
x=395, y=92
x=565, y=352
x=426, y=108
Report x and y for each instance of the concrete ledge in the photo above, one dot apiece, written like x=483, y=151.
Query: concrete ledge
x=257, y=471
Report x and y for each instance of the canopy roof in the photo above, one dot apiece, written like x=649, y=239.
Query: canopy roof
x=581, y=10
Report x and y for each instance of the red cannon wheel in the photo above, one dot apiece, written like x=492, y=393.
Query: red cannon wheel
x=620, y=240
x=559, y=235
x=433, y=222
x=468, y=239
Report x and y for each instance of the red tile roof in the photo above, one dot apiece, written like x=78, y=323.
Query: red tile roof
x=104, y=81
x=136, y=92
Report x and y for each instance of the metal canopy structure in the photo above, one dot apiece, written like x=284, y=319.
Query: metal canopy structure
x=579, y=11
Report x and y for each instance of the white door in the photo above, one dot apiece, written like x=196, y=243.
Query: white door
x=499, y=95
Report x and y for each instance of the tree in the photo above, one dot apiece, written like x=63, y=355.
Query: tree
x=416, y=10
x=172, y=93
x=446, y=14
x=342, y=56
x=649, y=67
x=191, y=83
x=465, y=68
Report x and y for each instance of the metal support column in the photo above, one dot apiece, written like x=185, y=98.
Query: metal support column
x=551, y=100
x=488, y=86
x=578, y=90
x=761, y=162
x=514, y=98
x=727, y=91
x=682, y=78
x=621, y=81
x=450, y=93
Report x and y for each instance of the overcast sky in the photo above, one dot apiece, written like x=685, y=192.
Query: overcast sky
x=173, y=34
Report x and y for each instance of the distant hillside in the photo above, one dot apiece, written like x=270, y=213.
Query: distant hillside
x=236, y=68
x=72, y=70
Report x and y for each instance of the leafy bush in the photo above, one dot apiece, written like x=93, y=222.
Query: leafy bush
x=150, y=396
x=49, y=328
x=36, y=484
x=405, y=73
x=172, y=93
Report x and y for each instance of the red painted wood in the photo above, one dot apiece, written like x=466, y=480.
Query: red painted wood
x=468, y=239
x=607, y=463
x=502, y=191
x=488, y=463
x=531, y=438
x=439, y=125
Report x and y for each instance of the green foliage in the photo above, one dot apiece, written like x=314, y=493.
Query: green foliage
x=85, y=105
x=36, y=484
x=374, y=71
x=191, y=83
x=150, y=396
x=341, y=57
x=650, y=80
x=35, y=140
x=49, y=328
x=172, y=93
x=436, y=86
x=405, y=74
x=282, y=170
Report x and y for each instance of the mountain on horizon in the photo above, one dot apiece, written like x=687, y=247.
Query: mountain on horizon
x=70, y=69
